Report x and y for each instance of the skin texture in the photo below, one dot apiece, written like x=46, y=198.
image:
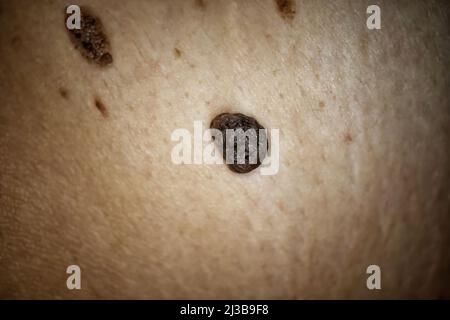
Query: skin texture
x=86, y=176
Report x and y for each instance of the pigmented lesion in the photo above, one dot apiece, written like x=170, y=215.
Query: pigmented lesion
x=321, y=105
x=201, y=4
x=177, y=52
x=63, y=92
x=348, y=138
x=235, y=121
x=286, y=8
x=91, y=39
x=101, y=107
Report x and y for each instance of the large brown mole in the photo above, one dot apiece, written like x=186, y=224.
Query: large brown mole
x=235, y=121
x=91, y=39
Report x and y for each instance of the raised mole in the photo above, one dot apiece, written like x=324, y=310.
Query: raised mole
x=91, y=39
x=235, y=121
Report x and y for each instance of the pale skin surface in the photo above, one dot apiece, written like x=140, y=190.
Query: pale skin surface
x=364, y=174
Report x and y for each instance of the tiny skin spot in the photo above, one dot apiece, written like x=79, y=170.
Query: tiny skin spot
x=101, y=107
x=201, y=4
x=237, y=121
x=91, y=39
x=177, y=52
x=63, y=93
x=348, y=138
x=16, y=40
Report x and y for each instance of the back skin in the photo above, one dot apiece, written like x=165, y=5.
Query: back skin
x=86, y=176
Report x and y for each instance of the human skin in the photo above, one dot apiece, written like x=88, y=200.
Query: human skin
x=364, y=162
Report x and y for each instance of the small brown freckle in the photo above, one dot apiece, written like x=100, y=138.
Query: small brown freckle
x=15, y=40
x=321, y=104
x=348, y=137
x=281, y=96
x=177, y=52
x=201, y=4
x=63, y=93
x=101, y=107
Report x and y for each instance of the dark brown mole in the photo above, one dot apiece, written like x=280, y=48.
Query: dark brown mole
x=101, y=107
x=63, y=93
x=236, y=121
x=287, y=8
x=91, y=39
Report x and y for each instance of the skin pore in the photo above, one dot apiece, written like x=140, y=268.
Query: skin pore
x=86, y=176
